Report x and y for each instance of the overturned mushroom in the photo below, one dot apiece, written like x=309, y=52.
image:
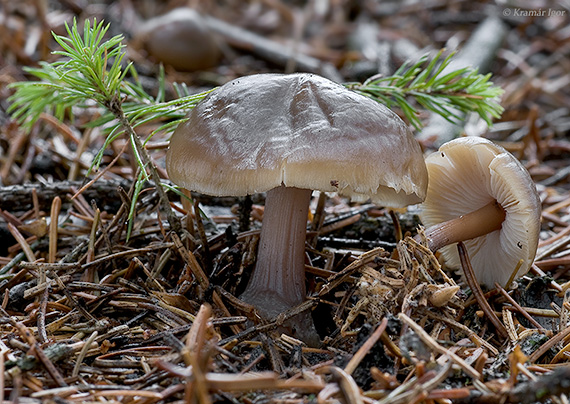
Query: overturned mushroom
x=288, y=135
x=482, y=195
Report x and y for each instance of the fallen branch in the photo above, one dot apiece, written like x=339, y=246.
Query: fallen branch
x=269, y=50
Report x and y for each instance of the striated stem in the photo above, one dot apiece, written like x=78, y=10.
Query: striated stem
x=278, y=280
x=277, y=284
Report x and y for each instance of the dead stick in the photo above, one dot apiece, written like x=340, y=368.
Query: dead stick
x=270, y=50
x=54, y=215
x=16, y=198
x=48, y=364
x=478, y=52
x=541, y=389
x=190, y=260
x=537, y=271
x=42, y=334
x=548, y=344
x=478, y=293
x=365, y=348
x=430, y=342
x=339, y=277
x=520, y=309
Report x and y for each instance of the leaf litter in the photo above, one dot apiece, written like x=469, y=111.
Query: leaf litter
x=88, y=315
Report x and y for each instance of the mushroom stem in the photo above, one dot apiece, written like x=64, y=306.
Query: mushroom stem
x=466, y=227
x=278, y=280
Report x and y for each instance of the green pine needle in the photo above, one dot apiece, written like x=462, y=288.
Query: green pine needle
x=449, y=95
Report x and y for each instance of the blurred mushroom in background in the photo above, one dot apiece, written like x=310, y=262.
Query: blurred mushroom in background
x=180, y=39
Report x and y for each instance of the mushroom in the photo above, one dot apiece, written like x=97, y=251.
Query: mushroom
x=288, y=135
x=181, y=39
x=482, y=195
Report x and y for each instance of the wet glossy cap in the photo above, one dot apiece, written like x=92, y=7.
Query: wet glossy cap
x=257, y=132
x=468, y=173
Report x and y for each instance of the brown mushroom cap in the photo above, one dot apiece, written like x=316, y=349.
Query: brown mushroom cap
x=301, y=130
x=469, y=173
x=181, y=39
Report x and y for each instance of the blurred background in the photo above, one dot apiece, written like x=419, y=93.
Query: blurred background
x=205, y=43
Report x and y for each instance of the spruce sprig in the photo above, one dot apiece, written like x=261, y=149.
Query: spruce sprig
x=83, y=74
x=93, y=69
x=430, y=84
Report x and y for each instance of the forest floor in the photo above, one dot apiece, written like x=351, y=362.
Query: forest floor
x=89, y=315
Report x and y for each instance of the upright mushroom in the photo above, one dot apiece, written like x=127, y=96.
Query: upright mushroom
x=288, y=135
x=482, y=195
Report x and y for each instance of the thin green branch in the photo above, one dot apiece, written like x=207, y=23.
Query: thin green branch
x=424, y=83
x=91, y=69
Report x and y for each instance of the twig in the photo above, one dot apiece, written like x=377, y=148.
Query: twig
x=279, y=320
x=549, y=344
x=54, y=216
x=20, y=197
x=553, y=247
x=430, y=342
x=537, y=271
x=340, y=224
x=270, y=50
x=41, y=321
x=477, y=292
x=127, y=254
x=418, y=387
x=319, y=215
x=476, y=338
x=338, y=278
x=365, y=348
x=519, y=308
x=3, y=351
x=540, y=390
x=45, y=360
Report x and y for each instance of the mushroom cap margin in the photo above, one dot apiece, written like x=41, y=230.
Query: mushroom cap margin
x=257, y=132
